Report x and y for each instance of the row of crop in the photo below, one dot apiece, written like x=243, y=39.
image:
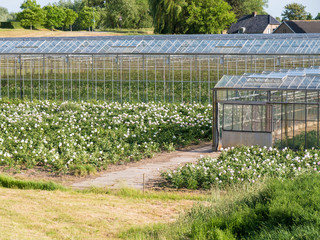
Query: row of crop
x=61, y=136
x=244, y=164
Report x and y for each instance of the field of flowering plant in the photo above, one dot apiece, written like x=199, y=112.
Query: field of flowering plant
x=62, y=136
x=244, y=164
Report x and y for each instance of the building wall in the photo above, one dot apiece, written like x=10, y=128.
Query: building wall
x=270, y=28
x=283, y=28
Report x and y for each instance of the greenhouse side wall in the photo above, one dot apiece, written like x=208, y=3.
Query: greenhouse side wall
x=129, y=78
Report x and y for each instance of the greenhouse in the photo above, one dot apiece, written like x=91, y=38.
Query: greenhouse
x=272, y=108
x=175, y=68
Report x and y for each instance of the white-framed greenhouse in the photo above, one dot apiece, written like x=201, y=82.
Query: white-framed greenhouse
x=168, y=68
x=279, y=108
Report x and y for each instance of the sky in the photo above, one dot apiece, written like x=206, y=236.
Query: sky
x=275, y=6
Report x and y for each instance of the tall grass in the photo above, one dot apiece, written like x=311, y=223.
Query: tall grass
x=278, y=209
x=10, y=182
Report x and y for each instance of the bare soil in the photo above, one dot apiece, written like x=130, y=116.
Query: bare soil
x=9, y=33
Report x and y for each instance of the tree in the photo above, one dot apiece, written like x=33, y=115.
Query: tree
x=190, y=16
x=121, y=13
x=70, y=18
x=208, y=16
x=144, y=19
x=32, y=14
x=317, y=17
x=94, y=3
x=294, y=11
x=167, y=15
x=245, y=7
x=87, y=16
x=55, y=16
x=75, y=5
x=3, y=14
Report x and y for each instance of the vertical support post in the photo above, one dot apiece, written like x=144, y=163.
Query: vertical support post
x=39, y=70
x=129, y=59
x=138, y=80
x=68, y=62
x=215, y=130
x=87, y=66
x=155, y=78
x=8, y=78
x=164, y=79
x=55, y=80
x=143, y=79
x=143, y=183
x=96, y=77
x=169, y=76
x=173, y=81
x=286, y=122
x=293, y=115
x=92, y=74
x=20, y=67
x=318, y=119
x=209, y=79
x=104, y=78
x=200, y=82
x=121, y=78
x=79, y=79
x=190, y=79
x=47, y=87
x=112, y=79
x=43, y=75
x=181, y=61
x=305, y=120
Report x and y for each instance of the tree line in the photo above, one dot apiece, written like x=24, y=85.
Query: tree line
x=165, y=16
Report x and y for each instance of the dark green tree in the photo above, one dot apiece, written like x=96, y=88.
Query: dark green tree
x=208, y=16
x=167, y=15
x=70, y=18
x=294, y=11
x=121, y=13
x=317, y=17
x=245, y=7
x=190, y=16
x=55, y=16
x=144, y=19
x=309, y=16
x=31, y=14
x=87, y=17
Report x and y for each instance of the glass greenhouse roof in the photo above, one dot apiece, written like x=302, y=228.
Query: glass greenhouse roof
x=167, y=44
x=295, y=79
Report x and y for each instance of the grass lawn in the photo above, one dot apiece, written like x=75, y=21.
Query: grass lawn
x=36, y=214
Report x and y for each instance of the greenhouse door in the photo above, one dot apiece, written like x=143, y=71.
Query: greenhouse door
x=246, y=124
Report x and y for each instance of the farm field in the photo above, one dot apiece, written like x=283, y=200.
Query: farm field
x=242, y=165
x=82, y=138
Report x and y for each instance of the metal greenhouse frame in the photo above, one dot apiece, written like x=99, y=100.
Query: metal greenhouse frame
x=175, y=68
x=272, y=108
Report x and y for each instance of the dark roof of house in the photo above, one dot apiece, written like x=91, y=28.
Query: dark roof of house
x=304, y=26
x=253, y=23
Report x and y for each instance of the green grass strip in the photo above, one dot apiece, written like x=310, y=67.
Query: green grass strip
x=10, y=182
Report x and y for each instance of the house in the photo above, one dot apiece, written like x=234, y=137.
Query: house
x=299, y=26
x=254, y=23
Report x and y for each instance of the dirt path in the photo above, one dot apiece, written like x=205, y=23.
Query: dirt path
x=132, y=174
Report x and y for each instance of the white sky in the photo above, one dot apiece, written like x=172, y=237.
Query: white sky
x=275, y=6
